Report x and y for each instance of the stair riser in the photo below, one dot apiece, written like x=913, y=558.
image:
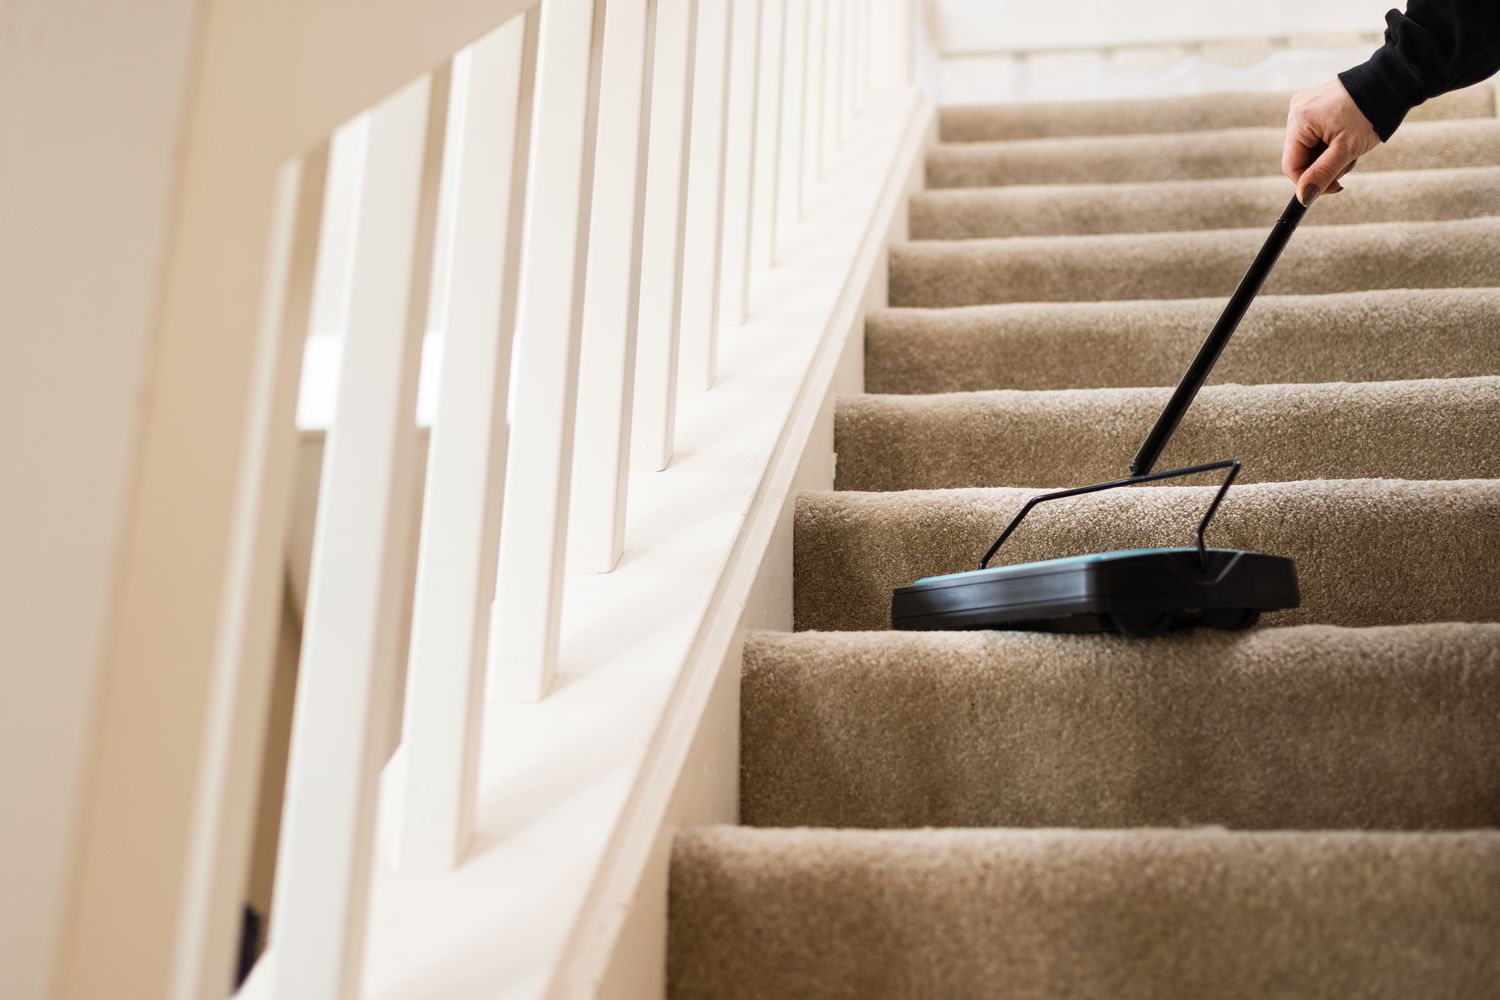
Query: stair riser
x=1172, y=114
x=1418, y=195
x=1290, y=728
x=1444, y=429
x=1368, y=552
x=1193, y=265
x=1038, y=916
x=1355, y=337
x=1230, y=153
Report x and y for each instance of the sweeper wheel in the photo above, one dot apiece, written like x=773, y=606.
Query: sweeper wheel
x=1230, y=619
x=1142, y=624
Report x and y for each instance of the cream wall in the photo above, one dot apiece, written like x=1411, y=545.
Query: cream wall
x=970, y=26
x=988, y=51
x=90, y=104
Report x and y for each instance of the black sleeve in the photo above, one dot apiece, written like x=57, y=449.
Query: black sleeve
x=1435, y=47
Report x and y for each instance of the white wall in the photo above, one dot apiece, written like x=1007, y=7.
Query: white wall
x=989, y=51
x=969, y=26
x=90, y=101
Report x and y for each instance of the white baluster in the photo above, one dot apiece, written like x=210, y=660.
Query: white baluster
x=768, y=136
x=238, y=700
x=833, y=104
x=606, y=378
x=702, y=237
x=854, y=38
x=892, y=27
x=350, y=660
x=793, y=112
x=815, y=163
x=662, y=255
x=527, y=613
x=739, y=160
x=862, y=55
x=489, y=123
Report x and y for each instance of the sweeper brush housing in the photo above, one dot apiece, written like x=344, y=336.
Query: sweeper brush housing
x=1136, y=591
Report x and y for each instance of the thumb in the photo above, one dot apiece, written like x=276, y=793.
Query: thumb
x=1323, y=173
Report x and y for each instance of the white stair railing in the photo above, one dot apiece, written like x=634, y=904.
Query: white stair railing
x=611, y=307
x=578, y=194
x=660, y=331
x=702, y=241
x=740, y=158
x=490, y=125
x=347, y=689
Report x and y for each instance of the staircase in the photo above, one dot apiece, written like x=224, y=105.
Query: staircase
x=1305, y=809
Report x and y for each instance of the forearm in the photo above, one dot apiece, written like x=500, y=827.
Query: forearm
x=1434, y=47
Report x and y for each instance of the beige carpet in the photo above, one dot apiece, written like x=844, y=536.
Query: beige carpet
x=1373, y=336
x=1310, y=727
x=1416, y=429
x=1168, y=114
x=1241, y=152
x=1368, y=552
x=1051, y=914
x=1305, y=809
x=940, y=273
x=1167, y=206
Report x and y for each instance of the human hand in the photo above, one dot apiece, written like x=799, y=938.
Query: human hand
x=1326, y=134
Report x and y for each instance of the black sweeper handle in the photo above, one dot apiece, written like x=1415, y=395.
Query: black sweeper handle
x=1218, y=337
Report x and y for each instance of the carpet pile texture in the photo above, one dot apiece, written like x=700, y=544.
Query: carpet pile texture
x=1307, y=808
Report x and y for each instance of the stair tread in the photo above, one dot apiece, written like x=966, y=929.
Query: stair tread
x=1368, y=552
x=1185, y=113
x=1066, y=265
x=1230, y=152
x=939, y=273
x=1133, y=915
x=1371, y=335
x=1306, y=727
x=1408, y=429
x=1219, y=203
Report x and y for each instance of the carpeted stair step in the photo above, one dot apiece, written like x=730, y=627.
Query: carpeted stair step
x=1045, y=914
x=1349, y=336
x=1368, y=552
x=1229, y=152
x=969, y=123
x=1310, y=727
x=942, y=273
x=1411, y=429
x=1168, y=206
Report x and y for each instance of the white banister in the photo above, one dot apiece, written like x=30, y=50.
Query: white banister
x=606, y=377
x=525, y=223
x=818, y=39
x=489, y=112
x=854, y=75
x=527, y=612
x=739, y=160
x=794, y=95
x=237, y=706
x=858, y=48
x=892, y=30
x=833, y=106
x=350, y=660
x=854, y=63
x=768, y=135
x=703, y=234
x=349, y=52
x=662, y=255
